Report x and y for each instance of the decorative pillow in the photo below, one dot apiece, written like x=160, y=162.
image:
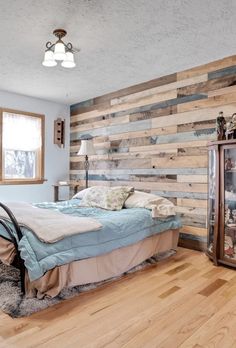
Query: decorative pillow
x=110, y=198
x=80, y=194
x=161, y=207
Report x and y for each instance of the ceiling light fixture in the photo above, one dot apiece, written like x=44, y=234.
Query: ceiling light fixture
x=59, y=51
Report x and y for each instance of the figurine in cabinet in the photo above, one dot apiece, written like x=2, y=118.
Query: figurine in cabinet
x=220, y=126
x=228, y=164
x=231, y=128
x=228, y=246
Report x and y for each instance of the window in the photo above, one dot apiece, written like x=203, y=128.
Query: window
x=22, y=147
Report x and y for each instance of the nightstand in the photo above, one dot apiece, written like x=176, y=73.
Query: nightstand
x=57, y=190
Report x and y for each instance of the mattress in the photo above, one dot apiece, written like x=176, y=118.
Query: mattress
x=120, y=229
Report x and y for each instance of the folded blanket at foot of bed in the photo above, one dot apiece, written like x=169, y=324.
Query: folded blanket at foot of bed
x=48, y=225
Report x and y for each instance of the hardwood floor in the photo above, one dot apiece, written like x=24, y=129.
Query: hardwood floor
x=182, y=302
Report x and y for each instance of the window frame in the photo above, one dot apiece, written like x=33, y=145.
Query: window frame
x=40, y=179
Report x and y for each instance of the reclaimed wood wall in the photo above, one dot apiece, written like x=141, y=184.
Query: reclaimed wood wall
x=153, y=136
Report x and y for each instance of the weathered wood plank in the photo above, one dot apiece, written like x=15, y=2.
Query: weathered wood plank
x=100, y=124
x=207, y=86
x=91, y=158
x=149, y=132
x=198, y=203
x=89, y=105
x=191, y=211
x=130, y=177
x=125, y=155
x=211, y=102
x=145, y=99
x=91, y=120
x=193, y=220
x=222, y=91
x=112, y=164
x=194, y=230
x=193, y=178
x=207, y=68
x=172, y=109
x=80, y=106
x=166, y=146
x=201, y=134
x=145, y=171
x=193, y=115
x=115, y=129
x=177, y=161
x=160, y=81
x=194, y=195
x=119, y=110
x=146, y=115
x=174, y=187
x=192, y=151
x=76, y=109
x=158, y=90
x=199, y=125
x=230, y=70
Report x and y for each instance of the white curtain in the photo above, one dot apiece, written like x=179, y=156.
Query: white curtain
x=21, y=132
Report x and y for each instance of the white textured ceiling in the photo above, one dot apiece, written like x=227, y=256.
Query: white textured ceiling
x=122, y=42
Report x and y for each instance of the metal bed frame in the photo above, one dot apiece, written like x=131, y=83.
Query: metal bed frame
x=14, y=231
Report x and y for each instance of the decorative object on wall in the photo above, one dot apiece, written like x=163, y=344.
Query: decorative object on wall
x=86, y=149
x=231, y=128
x=154, y=137
x=59, y=51
x=220, y=126
x=59, y=132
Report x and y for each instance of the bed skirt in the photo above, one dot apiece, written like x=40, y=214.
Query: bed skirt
x=94, y=269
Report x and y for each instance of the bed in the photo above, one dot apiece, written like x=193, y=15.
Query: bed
x=126, y=238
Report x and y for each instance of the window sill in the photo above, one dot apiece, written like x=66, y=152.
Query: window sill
x=22, y=182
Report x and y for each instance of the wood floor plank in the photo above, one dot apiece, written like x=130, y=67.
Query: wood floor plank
x=212, y=287
x=169, y=292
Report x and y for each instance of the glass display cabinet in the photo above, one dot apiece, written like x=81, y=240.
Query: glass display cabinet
x=221, y=246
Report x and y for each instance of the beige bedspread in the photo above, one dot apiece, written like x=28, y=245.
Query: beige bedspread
x=48, y=225
x=94, y=269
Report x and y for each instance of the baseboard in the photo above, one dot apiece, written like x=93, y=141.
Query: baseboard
x=192, y=244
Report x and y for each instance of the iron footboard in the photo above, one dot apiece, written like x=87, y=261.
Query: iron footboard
x=14, y=231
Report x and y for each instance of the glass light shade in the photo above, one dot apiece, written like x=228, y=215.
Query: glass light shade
x=49, y=59
x=59, y=51
x=69, y=61
x=86, y=148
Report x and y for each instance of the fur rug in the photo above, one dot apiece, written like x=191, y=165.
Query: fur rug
x=16, y=305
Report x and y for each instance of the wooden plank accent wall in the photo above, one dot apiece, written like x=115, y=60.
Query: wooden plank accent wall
x=153, y=136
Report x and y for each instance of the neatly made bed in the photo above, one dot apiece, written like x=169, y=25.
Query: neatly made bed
x=127, y=238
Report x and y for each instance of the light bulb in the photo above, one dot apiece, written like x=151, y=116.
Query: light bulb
x=59, y=51
x=49, y=59
x=69, y=61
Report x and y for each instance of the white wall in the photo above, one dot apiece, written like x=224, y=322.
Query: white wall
x=56, y=159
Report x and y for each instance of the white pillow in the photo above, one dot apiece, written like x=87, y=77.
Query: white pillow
x=160, y=207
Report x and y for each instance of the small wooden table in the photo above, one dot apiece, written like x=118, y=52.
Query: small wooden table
x=56, y=190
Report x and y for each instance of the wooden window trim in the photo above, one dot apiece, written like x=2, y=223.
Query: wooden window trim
x=40, y=179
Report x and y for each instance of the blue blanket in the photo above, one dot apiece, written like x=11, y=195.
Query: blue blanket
x=120, y=228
